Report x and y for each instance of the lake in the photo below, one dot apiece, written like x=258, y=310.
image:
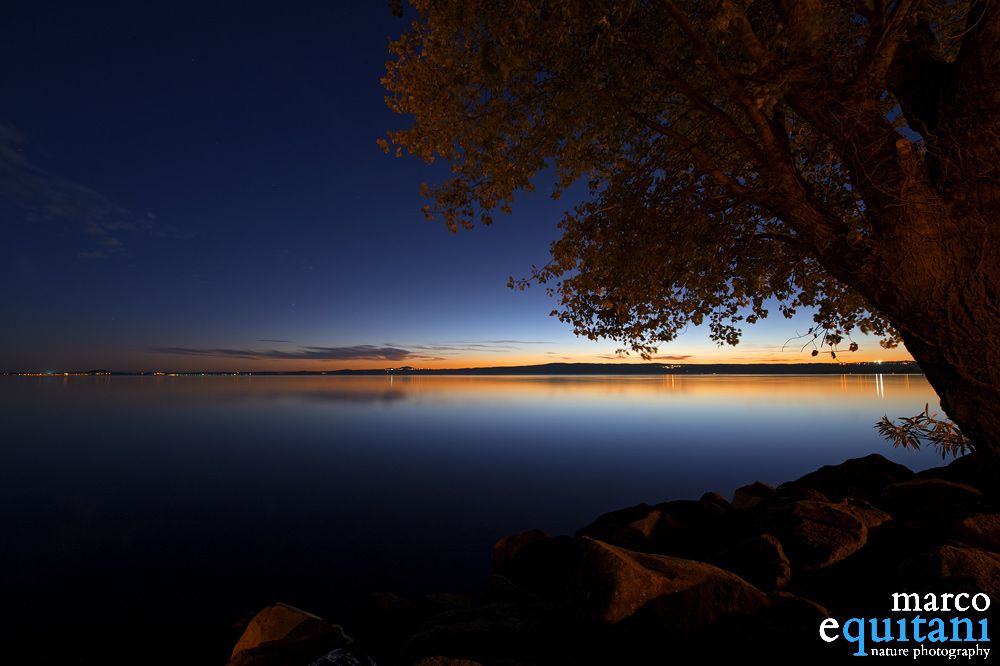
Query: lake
x=143, y=516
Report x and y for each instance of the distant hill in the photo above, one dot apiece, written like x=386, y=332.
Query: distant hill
x=890, y=367
x=865, y=368
x=886, y=367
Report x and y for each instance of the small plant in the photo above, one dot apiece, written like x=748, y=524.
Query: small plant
x=925, y=429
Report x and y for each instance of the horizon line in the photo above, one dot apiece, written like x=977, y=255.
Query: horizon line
x=410, y=368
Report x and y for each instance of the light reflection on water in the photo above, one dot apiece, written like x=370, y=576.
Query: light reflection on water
x=124, y=498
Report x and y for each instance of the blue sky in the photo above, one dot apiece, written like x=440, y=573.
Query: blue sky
x=189, y=186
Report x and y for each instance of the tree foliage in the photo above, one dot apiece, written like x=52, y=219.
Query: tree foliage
x=742, y=156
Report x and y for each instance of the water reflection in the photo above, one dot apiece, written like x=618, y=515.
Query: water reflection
x=125, y=498
x=376, y=388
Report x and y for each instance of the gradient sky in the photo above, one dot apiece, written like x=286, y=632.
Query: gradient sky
x=197, y=186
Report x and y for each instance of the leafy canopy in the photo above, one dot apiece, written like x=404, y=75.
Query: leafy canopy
x=717, y=187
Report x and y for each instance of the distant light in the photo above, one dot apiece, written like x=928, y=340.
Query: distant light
x=879, y=362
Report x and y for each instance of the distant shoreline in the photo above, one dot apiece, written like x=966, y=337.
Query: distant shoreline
x=546, y=369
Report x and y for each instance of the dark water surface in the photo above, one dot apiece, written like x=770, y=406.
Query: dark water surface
x=142, y=517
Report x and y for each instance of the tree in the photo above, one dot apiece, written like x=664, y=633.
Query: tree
x=741, y=155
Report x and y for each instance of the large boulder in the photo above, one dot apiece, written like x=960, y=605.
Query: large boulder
x=932, y=494
x=490, y=633
x=782, y=633
x=611, y=585
x=717, y=499
x=509, y=547
x=340, y=657
x=971, y=469
x=759, y=560
x=815, y=534
x=608, y=525
x=533, y=562
x=751, y=495
x=386, y=619
x=691, y=513
x=636, y=527
x=683, y=527
x=671, y=528
x=285, y=635
x=952, y=568
x=981, y=530
x=792, y=492
x=867, y=513
x=500, y=589
x=863, y=478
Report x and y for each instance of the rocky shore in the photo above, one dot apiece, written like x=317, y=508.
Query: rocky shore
x=714, y=580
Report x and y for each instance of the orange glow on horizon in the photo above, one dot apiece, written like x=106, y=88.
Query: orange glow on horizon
x=733, y=355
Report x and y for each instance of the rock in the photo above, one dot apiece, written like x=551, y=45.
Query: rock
x=445, y=602
x=795, y=619
x=751, y=495
x=343, y=657
x=500, y=589
x=674, y=528
x=489, y=634
x=283, y=634
x=760, y=561
x=918, y=494
x=607, y=525
x=981, y=530
x=795, y=607
x=727, y=530
x=611, y=585
x=653, y=531
x=793, y=492
x=951, y=568
x=647, y=526
x=864, y=511
x=681, y=529
x=859, y=585
x=815, y=534
x=690, y=513
x=717, y=499
x=971, y=469
x=863, y=478
x=535, y=562
x=386, y=620
x=507, y=548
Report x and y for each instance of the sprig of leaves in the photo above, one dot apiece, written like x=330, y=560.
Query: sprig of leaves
x=925, y=429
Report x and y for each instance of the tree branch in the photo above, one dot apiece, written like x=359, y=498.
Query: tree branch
x=736, y=90
x=700, y=157
x=881, y=49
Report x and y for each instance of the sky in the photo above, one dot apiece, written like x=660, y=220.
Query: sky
x=190, y=186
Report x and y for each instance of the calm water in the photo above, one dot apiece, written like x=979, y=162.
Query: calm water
x=141, y=512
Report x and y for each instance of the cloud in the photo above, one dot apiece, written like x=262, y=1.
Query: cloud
x=509, y=342
x=459, y=346
x=46, y=196
x=658, y=357
x=354, y=353
x=472, y=347
x=386, y=352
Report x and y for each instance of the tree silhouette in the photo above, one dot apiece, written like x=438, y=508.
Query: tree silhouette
x=741, y=155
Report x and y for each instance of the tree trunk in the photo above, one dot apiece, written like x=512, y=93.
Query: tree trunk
x=959, y=380
x=942, y=294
